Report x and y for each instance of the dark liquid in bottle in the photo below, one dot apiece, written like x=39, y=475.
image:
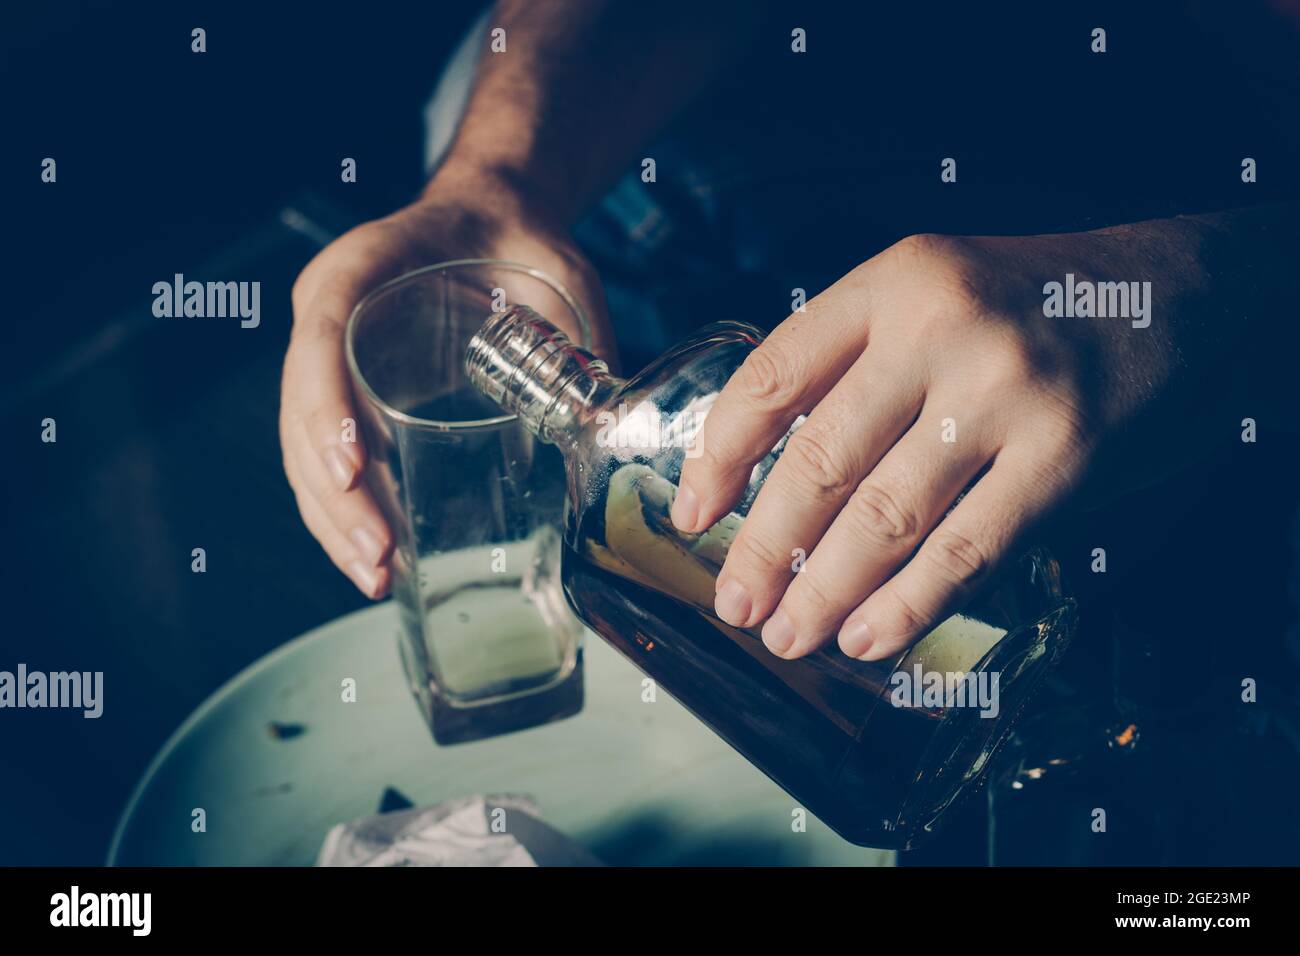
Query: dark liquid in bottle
x=823, y=727
x=720, y=681
x=802, y=722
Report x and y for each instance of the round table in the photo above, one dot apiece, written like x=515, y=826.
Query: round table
x=276, y=757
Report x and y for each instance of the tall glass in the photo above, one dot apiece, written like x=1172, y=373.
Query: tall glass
x=474, y=500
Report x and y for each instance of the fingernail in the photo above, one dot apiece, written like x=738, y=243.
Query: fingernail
x=875, y=652
x=778, y=632
x=855, y=638
x=366, y=578
x=686, y=509
x=368, y=545
x=732, y=604
x=340, y=468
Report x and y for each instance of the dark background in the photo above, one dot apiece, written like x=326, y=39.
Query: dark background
x=168, y=161
x=226, y=165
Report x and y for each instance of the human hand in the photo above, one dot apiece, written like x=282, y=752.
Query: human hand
x=932, y=366
x=459, y=217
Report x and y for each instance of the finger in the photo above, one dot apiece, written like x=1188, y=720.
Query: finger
x=316, y=385
x=353, y=513
x=372, y=581
x=957, y=556
x=842, y=440
x=317, y=390
x=883, y=521
x=780, y=380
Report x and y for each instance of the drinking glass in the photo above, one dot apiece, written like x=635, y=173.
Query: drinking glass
x=475, y=503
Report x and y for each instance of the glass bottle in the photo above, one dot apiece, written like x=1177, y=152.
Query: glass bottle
x=877, y=750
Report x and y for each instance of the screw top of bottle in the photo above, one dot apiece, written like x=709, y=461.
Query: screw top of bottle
x=532, y=369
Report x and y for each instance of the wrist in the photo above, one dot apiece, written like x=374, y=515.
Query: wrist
x=502, y=192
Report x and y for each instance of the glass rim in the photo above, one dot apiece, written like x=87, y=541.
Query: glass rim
x=387, y=288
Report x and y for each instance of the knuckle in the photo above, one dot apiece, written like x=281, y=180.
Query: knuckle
x=302, y=287
x=948, y=291
x=713, y=466
x=1055, y=474
x=332, y=499
x=754, y=550
x=1068, y=427
x=878, y=514
x=808, y=601
x=339, y=298
x=815, y=463
x=324, y=425
x=922, y=244
x=903, y=617
x=1060, y=434
x=1014, y=362
x=932, y=251
x=1017, y=368
x=313, y=328
x=955, y=559
x=767, y=377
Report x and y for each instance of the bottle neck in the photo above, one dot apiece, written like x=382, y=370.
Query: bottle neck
x=532, y=369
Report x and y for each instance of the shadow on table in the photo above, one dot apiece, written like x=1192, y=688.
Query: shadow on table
x=653, y=838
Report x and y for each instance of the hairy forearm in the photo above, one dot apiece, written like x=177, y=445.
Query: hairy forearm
x=582, y=85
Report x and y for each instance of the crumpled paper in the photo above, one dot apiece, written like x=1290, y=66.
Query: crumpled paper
x=480, y=830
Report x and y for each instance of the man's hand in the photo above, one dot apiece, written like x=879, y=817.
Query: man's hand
x=929, y=369
x=547, y=128
x=456, y=219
